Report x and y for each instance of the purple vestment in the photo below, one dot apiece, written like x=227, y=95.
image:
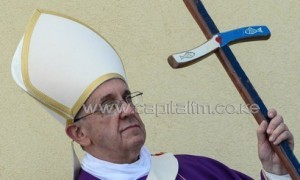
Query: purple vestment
x=193, y=167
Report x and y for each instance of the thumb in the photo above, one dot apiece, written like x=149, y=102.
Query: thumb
x=261, y=132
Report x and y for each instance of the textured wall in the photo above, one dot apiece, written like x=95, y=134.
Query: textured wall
x=33, y=145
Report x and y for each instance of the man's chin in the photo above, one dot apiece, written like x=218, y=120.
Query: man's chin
x=136, y=141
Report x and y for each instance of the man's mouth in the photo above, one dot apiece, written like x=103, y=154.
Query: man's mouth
x=130, y=127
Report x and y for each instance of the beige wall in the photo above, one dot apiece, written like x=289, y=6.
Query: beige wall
x=33, y=145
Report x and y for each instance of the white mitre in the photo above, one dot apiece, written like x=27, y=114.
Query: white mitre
x=61, y=61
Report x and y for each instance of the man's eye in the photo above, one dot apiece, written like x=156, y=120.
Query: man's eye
x=108, y=103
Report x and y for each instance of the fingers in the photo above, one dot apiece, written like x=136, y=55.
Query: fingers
x=276, y=120
x=286, y=135
x=280, y=133
x=277, y=130
x=272, y=113
x=264, y=127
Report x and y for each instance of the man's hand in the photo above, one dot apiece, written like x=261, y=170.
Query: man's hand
x=276, y=132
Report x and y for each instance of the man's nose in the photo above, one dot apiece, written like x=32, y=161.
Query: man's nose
x=126, y=109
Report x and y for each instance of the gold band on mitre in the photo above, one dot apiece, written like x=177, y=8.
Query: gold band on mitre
x=61, y=61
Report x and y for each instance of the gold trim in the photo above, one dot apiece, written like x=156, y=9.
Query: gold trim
x=34, y=91
x=181, y=176
x=69, y=121
x=65, y=116
x=60, y=109
x=88, y=91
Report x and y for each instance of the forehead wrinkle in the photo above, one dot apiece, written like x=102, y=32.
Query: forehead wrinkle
x=94, y=97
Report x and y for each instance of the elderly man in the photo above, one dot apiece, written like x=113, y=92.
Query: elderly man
x=118, y=137
x=69, y=68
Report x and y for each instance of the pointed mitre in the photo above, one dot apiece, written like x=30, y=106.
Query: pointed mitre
x=60, y=62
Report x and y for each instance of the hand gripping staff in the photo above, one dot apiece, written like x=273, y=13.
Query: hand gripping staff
x=218, y=43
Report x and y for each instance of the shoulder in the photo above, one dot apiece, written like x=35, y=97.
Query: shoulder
x=200, y=166
x=186, y=158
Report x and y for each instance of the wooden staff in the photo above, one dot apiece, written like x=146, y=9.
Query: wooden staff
x=241, y=82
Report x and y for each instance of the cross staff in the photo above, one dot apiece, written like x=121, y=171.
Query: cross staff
x=235, y=72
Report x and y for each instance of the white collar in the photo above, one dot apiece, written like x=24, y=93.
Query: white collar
x=105, y=170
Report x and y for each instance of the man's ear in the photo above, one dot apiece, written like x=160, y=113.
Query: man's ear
x=77, y=134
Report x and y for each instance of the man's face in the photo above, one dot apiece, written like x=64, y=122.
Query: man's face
x=118, y=133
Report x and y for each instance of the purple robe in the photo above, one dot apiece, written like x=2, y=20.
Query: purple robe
x=193, y=167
